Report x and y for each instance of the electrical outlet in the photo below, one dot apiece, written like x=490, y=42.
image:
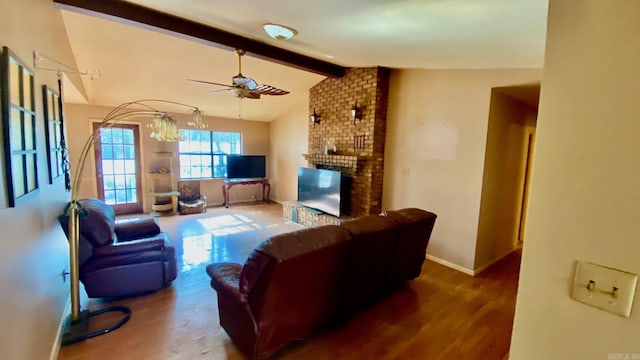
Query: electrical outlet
x=603, y=287
x=405, y=171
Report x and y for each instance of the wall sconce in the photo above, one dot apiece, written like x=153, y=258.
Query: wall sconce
x=315, y=118
x=356, y=113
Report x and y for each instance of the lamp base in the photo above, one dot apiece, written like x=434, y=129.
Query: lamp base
x=78, y=330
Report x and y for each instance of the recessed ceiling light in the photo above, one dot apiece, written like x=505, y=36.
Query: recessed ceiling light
x=279, y=32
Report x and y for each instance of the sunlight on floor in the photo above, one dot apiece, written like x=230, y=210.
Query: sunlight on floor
x=229, y=224
x=196, y=251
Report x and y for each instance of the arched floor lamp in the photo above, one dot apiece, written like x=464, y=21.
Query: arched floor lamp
x=164, y=128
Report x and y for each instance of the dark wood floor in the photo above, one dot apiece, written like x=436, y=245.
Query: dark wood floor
x=443, y=314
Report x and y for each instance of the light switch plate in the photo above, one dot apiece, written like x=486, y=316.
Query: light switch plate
x=611, y=289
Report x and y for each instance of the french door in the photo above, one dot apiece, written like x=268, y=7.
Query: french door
x=117, y=154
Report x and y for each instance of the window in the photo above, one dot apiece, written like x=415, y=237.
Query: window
x=203, y=154
x=19, y=127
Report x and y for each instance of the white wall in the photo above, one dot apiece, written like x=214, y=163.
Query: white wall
x=586, y=174
x=289, y=140
x=437, y=129
x=33, y=247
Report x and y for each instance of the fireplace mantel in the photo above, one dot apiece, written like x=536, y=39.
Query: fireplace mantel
x=337, y=157
x=349, y=164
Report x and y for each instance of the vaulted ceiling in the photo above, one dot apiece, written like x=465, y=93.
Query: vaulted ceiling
x=141, y=62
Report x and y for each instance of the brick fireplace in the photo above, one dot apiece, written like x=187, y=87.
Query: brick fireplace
x=359, y=142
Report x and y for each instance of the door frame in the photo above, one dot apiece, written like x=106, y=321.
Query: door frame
x=98, y=184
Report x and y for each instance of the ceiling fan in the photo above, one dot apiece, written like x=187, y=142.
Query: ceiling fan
x=244, y=87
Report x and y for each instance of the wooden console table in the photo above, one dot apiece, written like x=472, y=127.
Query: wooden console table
x=229, y=183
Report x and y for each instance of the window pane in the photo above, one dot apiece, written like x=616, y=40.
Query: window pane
x=131, y=195
x=121, y=196
x=118, y=166
x=110, y=197
x=26, y=87
x=52, y=135
x=105, y=135
x=205, y=146
x=57, y=129
x=206, y=172
x=130, y=181
x=117, y=136
x=14, y=78
x=16, y=130
x=28, y=132
x=195, y=160
x=50, y=101
x=107, y=167
x=32, y=182
x=120, y=184
x=17, y=163
x=184, y=146
x=55, y=169
x=55, y=114
x=118, y=152
x=219, y=166
x=107, y=151
x=129, y=166
x=185, y=173
x=109, y=182
x=127, y=136
x=129, y=152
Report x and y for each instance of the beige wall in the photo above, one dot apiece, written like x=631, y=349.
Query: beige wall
x=255, y=141
x=584, y=192
x=289, y=137
x=503, y=180
x=34, y=249
x=436, y=133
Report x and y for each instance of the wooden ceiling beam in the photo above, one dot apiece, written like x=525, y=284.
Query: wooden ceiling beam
x=134, y=14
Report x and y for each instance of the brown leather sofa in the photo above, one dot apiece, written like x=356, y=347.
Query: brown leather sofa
x=294, y=283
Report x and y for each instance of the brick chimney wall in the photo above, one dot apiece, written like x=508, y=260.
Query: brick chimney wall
x=359, y=143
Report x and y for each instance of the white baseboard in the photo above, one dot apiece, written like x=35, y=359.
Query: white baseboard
x=451, y=265
x=485, y=266
x=55, y=350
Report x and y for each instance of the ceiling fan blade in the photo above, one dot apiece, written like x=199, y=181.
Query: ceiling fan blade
x=245, y=82
x=269, y=90
x=219, y=91
x=253, y=95
x=210, y=83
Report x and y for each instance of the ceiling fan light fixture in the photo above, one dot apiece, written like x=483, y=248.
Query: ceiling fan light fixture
x=279, y=32
x=240, y=92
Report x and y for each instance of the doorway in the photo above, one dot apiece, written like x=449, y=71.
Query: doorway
x=118, y=174
x=510, y=145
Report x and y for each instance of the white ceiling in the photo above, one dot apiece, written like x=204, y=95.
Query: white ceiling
x=138, y=63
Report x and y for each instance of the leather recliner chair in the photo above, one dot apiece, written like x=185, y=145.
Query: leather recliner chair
x=121, y=259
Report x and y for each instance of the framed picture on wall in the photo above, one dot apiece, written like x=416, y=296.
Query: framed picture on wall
x=52, y=104
x=18, y=126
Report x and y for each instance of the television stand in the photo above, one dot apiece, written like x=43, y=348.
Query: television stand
x=229, y=183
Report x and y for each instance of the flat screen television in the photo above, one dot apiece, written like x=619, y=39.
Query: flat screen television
x=324, y=190
x=246, y=166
